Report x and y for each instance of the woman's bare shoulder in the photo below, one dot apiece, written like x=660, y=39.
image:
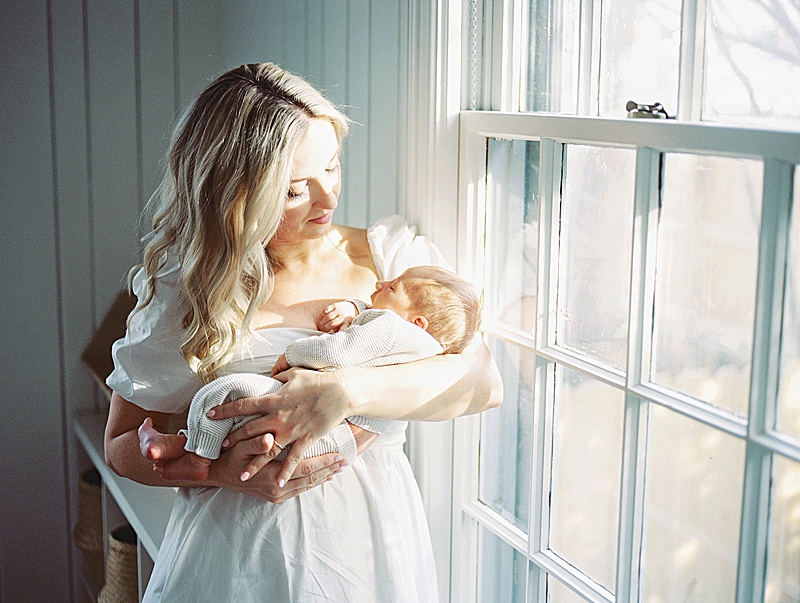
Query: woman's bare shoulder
x=352, y=240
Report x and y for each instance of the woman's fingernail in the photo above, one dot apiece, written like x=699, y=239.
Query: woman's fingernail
x=244, y=476
x=211, y=413
x=225, y=443
x=338, y=458
x=281, y=483
x=344, y=463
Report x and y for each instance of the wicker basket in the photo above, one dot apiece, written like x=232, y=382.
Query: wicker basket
x=88, y=531
x=122, y=582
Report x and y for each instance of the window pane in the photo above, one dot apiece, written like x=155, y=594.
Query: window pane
x=595, y=252
x=558, y=593
x=512, y=232
x=789, y=393
x=783, y=561
x=586, y=474
x=553, y=57
x=502, y=571
x=752, y=62
x=706, y=278
x=695, y=477
x=506, y=436
x=644, y=37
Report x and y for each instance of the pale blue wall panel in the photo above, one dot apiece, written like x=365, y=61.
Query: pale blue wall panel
x=315, y=32
x=252, y=32
x=356, y=156
x=384, y=84
x=75, y=251
x=158, y=103
x=33, y=530
x=200, y=58
x=334, y=51
x=294, y=38
x=113, y=147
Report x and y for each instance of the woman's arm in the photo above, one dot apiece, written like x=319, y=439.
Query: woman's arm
x=124, y=457
x=436, y=389
x=311, y=403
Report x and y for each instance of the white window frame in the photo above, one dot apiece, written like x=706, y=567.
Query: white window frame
x=780, y=151
x=444, y=161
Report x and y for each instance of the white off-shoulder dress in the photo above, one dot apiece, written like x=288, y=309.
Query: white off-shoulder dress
x=361, y=537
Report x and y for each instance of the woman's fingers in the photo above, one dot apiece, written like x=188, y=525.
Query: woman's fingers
x=310, y=474
x=293, y=459
x=264, y=450
x=252, y=429
x=240, y=408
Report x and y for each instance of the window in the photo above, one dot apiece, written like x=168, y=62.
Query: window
x=642, y=300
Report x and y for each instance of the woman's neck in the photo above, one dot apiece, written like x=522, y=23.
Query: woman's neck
x=291, y=257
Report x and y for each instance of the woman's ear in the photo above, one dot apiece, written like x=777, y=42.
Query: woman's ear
x=421, y=322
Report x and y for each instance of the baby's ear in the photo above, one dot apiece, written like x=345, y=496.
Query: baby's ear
x=421, y=322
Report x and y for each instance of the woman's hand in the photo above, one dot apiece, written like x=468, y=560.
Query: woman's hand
x=308, y=406
x=226, y=472
x=125, y=457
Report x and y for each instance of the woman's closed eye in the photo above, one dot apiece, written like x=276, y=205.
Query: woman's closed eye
x=295, y=195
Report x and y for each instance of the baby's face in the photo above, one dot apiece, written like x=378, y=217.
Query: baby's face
x=392, y=295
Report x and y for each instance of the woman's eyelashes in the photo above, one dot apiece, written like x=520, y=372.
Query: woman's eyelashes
x=294, y=195
x=297, y=196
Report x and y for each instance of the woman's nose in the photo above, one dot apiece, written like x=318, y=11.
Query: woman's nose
x=325, y=194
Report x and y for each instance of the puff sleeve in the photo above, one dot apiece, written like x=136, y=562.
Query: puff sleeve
x=396, y=246
x=149, y=369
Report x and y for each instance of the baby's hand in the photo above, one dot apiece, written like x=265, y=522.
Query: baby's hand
x=281, y=364
x=337, y=316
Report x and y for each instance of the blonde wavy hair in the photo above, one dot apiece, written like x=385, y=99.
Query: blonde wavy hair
x=222, y=200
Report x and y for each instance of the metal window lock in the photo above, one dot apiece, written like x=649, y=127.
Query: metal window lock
x=654, y=111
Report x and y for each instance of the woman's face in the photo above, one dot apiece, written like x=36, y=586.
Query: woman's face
x=314, y=188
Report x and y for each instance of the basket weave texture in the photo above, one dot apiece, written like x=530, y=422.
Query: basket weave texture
x=88, y=531
x=122, y=583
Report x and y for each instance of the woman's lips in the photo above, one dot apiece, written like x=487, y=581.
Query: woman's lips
x=324, y=219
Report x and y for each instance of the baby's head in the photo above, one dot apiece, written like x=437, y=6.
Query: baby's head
x=435, y=299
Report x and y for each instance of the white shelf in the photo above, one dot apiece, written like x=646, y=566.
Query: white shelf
x=146, y=508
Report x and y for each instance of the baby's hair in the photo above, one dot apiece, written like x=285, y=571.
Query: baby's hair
x=450, y=304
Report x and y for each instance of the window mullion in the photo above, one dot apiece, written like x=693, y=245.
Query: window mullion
x=541, y=482
x=643, y=264
x=550, y=210
x=589, y=65
x=773, y=249
x=690, y=74
x=507, y=54
x=632, y=495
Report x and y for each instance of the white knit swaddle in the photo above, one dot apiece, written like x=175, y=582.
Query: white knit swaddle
x=205, y=435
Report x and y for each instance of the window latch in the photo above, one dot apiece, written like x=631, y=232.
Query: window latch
x=654, y=111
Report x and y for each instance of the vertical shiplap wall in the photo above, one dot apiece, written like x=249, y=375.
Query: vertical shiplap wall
x=89, y=91
x=32, y=503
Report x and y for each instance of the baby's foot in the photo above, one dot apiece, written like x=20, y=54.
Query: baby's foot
x=188, y=467
x=157, y=446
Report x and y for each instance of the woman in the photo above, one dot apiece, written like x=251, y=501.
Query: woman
x=242, y=258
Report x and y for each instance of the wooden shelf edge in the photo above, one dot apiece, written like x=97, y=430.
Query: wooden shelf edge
x=146, y=508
